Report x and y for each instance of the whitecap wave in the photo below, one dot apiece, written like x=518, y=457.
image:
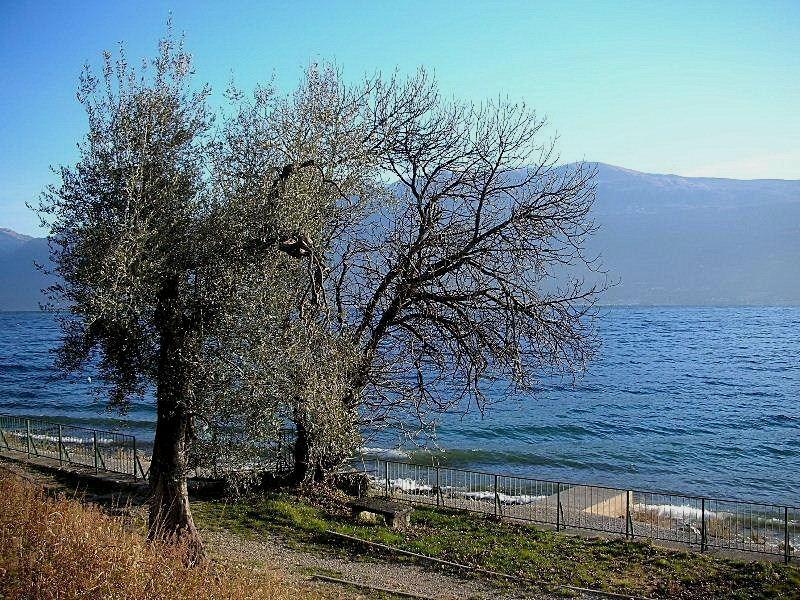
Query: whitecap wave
x=386, y=453
x=488, y=496
x=407, y=485
x=678, y=512
x=412, y=486
x=67, y=439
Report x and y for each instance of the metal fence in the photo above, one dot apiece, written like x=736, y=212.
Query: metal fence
x=72, y=445
x=114, y=452
x=693, y=521
x=284, y=451
x=230, y=453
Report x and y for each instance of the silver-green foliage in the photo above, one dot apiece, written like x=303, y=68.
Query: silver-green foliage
x=127, y=215
x=232, y=215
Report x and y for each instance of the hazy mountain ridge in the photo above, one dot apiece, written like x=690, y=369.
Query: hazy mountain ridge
x=667, y=239
x=20, y=281
x=623, y=188
x=11, y=240
x=686, y=240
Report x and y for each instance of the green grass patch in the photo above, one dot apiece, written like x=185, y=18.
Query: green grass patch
x=551, y=558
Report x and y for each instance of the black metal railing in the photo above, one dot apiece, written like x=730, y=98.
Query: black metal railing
x=111, y=451
x=102, y=450
x=692, y=521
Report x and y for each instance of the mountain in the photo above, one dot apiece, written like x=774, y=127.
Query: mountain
x=20, y=282
x=11, y=240
x=665, y=239
x=697, y=240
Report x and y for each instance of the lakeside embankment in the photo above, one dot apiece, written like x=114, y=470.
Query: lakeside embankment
x=304, y=536
x=734, y=526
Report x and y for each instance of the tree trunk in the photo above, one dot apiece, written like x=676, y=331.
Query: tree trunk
x=312, y=464
x=170, y=515
x=303, y=468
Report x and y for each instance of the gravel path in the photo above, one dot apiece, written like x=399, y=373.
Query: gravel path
x=300, y=563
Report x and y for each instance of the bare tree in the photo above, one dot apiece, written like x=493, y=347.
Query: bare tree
x=455, y=274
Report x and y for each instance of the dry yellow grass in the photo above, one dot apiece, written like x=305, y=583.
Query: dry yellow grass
x=60, y=548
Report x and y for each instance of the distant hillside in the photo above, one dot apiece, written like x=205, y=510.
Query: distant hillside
x=20, y=281
x=667, y=239
x=686, y=240
x=11, y=240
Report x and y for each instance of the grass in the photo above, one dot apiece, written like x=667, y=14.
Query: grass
x=554, y=559
x=60, y=547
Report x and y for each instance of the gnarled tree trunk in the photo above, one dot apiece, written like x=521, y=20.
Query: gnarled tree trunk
x=170, y=515
x=317, y=456
x=304, y=468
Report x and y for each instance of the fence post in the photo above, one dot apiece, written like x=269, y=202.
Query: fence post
x=60, y=446
x=628, y=523
x=386, y=477
x=496, y=497
x=28, y=437
x=141, y=469
x=786, y=549
x=702, y=525
x=94, y=445
x=134, y=458
x=438, y=489
x=558, y=507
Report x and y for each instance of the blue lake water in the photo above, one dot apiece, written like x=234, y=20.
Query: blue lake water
x=698, y=400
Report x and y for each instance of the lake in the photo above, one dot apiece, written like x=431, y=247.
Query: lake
x=701, y=400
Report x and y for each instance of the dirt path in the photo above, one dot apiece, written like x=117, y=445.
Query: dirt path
x=300, y=563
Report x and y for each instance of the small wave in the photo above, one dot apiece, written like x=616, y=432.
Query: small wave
x=64, y=440
x=385, y=453
x=780, y=420
x=678, y=512
x=405, y=484
x=412, y=486
x=777, y=451
x=720, y=383
x=489, y=496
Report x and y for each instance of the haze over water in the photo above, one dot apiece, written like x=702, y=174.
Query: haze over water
x=696, y=400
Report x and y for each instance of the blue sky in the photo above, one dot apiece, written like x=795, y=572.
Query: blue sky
x=690, y=88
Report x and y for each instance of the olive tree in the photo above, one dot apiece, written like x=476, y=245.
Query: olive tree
x=177, y=246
